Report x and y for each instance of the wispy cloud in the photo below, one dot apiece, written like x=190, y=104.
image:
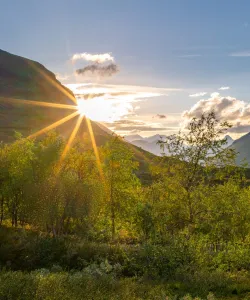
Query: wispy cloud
x=241, y=54
x=198, y=94
x=124, y=125
x=146, y=91
x=223, y=88
x=97, y=58
x=120, y=105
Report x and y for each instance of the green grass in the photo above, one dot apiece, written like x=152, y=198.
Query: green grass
x=42, y=284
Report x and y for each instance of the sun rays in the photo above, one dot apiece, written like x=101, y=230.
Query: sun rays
x=80, y=111
x=72, y=137
x=38, y=103
x=58, y=123
x=53, y=125
x=96, y=152
x=53, y=82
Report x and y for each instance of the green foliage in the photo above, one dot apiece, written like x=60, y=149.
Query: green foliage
x=91, y=227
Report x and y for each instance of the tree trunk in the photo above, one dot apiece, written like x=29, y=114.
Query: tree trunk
x=2, y=212
x=112, y=205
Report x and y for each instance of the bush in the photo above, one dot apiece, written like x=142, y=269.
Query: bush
x=41, y=284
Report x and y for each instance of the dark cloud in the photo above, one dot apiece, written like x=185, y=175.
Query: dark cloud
x=89, y=96
x=99, y=70
x=160, y=116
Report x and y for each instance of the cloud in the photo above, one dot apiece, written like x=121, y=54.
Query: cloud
x=140, y=128
x=97, y=58
x=61, y=77
x=160, y=116
x=136, y=88
x=133, y=125
x=116, y=92
x=229, y=109
x=214, y=94
x=99, y=70
x=223, y=88
x=240, y=54
x=119, y=103
x=125, y=122
x=198, y=94
x=89, y=96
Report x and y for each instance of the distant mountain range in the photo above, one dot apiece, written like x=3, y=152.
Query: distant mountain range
x=241, y=145
x=148, y=143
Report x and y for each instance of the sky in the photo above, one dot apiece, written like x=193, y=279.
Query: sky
x=164, y=61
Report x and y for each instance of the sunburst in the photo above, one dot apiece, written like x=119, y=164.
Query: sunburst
x=44, y=130
x=38, y=103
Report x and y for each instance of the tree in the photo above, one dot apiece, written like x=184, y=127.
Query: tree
x=198, y=159
x=121, y=183
x=17, y=167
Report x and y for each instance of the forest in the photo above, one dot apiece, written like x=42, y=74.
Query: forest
x=86, y=226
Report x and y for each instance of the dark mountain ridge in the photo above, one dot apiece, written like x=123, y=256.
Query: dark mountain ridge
x=24, y=79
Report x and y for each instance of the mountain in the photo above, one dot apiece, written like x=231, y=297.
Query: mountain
x=229, y=141
x=148, y=143
x=151, y=147
x=132, y=137
x=22, y=78
x=242, y=147
x=155, y=138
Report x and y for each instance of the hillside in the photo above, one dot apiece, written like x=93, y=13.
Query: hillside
x=22, y=78
x=242, y=146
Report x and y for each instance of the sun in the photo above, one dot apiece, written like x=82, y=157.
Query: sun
x=96, y=109
x=102, y=110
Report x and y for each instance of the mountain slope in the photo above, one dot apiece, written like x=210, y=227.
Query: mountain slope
x=132, y=137
x=21, y=78
x=149, y=144
x=242, y=146
x=229, y=141
x=151, y=147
